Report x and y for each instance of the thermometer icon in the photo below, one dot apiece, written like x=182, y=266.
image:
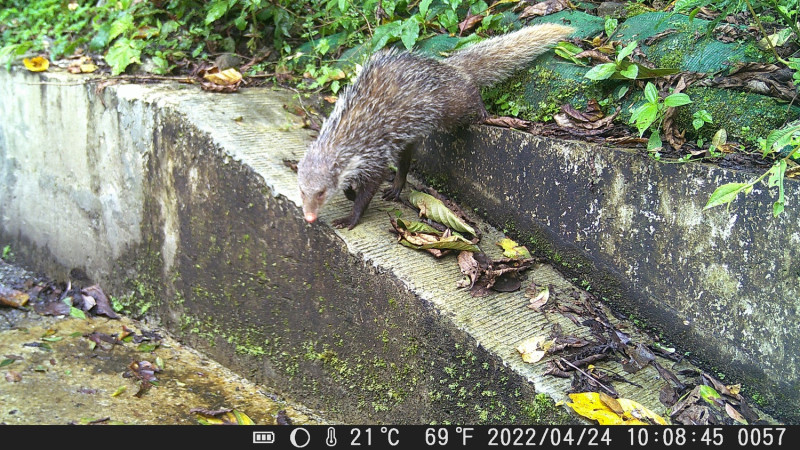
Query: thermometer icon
x=330, y=440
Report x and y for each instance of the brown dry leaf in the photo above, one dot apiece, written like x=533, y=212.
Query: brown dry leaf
x=508, y=122
x=611, y=403
x=760, y=78
x=734, y=414
x=485, y=273
x=470, y=22
x=470, y=267
x=100, y=299
x=538, y=300
x=544, y=8
x=13, y=297
x=221, y=417
x=590, y=121
x=13, y=376
x=36, y=64
x=421, y=236
x=595, y=55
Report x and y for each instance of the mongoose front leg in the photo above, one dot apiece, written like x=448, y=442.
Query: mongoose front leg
x=363, y=195
x=404, y=163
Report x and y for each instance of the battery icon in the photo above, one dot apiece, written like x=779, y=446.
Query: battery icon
x=263, y=437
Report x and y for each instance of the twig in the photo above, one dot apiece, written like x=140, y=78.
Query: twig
x=589, y=376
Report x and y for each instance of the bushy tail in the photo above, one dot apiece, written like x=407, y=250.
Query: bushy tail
x=495, y=59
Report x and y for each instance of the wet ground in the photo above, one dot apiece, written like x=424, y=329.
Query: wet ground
x=97, y=370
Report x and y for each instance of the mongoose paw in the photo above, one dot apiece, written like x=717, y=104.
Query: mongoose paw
x=391, y=194
x=343, y=222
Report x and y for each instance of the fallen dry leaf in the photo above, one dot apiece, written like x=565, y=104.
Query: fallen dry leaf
x=539, y=299
x=533, y=349
x=12, y=297
x=36, y=64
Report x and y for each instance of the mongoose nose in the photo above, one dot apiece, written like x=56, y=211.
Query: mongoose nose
x=310, y=217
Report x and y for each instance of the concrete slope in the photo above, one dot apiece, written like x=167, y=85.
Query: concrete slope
x=181, y=204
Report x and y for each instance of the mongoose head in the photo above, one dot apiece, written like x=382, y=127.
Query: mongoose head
x=318, y=179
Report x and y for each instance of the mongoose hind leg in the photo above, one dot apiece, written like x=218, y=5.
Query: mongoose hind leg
x=363, y=195
x=403, y=164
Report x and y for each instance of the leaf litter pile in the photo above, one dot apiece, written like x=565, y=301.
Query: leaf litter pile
x=690, y=396
x=144, y=366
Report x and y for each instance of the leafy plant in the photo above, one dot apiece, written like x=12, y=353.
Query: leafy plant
x=8, y=255
x=650, y=115
x=620, y=67
x=624, y=68
x=777, y=141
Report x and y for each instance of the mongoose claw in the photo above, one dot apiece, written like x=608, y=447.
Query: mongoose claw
x=391, y=194
x=343, y=222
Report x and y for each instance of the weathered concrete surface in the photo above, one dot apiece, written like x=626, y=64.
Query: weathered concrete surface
x=723, y=285
x=71, y=381
x=180, y=204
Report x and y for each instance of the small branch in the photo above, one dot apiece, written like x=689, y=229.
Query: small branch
x=611, y=391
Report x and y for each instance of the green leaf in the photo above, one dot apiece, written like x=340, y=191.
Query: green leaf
x=601, y=72
x=625, y=52
x=6, y=362
x=435, y=210
x=678, y=99
x=449, y=243
x=644, y=72
x=610, y=25
x=644, y=116
x=697, y=123
x=423, y=7
x=383, y=33
x=632, y=71
x=708, y=393
x=655, y=141
x=777, y=173
x=417, y=227
x=650, y=93
x=217, y=10
x=778, y=139
x=409, y=33
x=727, y=193
x=123, y=53
x=120, y=26
x=77, y=313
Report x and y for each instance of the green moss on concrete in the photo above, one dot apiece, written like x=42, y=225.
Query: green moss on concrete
x=745, y=117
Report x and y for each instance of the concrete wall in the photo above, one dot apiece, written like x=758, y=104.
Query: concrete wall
x=180, y=203
x=722, y=285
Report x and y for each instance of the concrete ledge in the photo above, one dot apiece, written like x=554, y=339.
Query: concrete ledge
x=179, y=202
x=722, y=285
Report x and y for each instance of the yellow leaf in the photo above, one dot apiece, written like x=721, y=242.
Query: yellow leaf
x=88, y=68
x=513, y=250
x=589, y=405
x=534, y=349
x=36, y=64
x=225, y=78
x=592, y=406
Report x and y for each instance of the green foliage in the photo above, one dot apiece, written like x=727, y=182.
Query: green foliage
x=164, y=36
x=622, y=67
x=650, y=114
x=7, y=255
x=783, y=141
